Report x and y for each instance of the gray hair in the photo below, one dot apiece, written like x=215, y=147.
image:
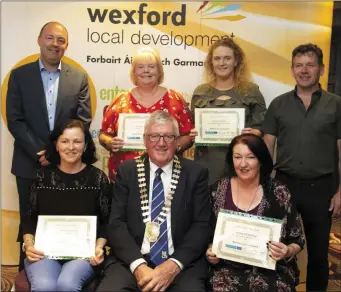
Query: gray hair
x=161, y=117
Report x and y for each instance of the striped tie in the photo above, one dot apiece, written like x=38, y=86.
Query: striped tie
x=158, y=249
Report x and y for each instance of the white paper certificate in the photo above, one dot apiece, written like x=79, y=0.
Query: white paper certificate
x=242, y=237
x=218, y=126
x=66, y=237
x=131, y=129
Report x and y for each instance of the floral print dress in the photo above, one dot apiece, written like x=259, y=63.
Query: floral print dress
x=171, y=101
x=237, y=277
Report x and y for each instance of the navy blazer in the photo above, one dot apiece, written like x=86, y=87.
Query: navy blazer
x=190, y=213
x=27, y=116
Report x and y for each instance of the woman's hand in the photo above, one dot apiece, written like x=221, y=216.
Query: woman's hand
x=114, y=144
x=99, y=256
x=252, y=131
x=32, y=254
x=211, y=257
x=193, y=133
x=277, y=250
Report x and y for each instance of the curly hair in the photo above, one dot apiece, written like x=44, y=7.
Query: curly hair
x=89, y=154
x=241, y=72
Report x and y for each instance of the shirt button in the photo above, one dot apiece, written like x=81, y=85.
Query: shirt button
x=50, y=118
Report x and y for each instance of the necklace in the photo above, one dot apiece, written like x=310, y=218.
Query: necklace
x=153, y=227
x=253, y=199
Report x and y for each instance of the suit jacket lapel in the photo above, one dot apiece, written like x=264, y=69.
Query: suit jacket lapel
x=38, y=88
x=64, y=84
x=177, y=199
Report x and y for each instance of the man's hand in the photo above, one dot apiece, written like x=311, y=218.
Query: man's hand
x=142, y=271
x=43, y=161
x=335, y=204
x=162, y=276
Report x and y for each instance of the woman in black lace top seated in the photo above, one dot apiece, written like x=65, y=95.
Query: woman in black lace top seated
x=70, y=185
x=248, y=188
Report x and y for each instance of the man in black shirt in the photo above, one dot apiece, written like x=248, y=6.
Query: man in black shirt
x=306, y=122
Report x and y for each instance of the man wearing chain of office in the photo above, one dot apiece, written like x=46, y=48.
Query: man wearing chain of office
x=159, y=225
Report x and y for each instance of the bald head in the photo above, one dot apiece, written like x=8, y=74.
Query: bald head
x=54, y=23
x=53, y=42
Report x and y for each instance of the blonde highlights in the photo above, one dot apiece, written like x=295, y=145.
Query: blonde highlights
x=241, y=72
x=146, y=53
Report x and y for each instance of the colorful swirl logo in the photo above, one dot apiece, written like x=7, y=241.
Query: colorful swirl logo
x=219, y=11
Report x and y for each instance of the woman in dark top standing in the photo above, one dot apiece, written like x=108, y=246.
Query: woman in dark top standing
x=70, y=185
x=228, y=86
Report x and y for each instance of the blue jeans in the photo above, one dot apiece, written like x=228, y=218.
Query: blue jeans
x=55, y=275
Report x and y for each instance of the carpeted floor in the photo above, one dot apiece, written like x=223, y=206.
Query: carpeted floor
x=8, y=273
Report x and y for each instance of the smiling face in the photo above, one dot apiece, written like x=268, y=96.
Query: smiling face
x=223, y=62
x=146, y=72
x=53, y=43
x=306, y=71
x=161, y=152
x=246, y=164
x=71, y=145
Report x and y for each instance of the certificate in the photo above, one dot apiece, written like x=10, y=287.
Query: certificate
x=131, y=129
x=66, y=237
x=242, y=238
x=218, y=126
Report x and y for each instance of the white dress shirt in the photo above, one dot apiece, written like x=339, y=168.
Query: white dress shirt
x=166, y=179
x=51, y=84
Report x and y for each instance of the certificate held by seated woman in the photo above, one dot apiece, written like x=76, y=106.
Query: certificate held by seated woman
x=68, y=186
x=257, y=240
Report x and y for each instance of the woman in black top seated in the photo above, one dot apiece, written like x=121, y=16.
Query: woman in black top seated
x=70, y=185
x=248, y=188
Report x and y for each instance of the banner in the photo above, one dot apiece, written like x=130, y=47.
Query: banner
x=103, y=36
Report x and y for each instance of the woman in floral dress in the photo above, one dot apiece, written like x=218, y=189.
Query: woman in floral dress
x=148, y=96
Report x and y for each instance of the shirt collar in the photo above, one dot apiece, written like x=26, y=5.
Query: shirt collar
x=167, y=169
x=316, y=94
x=42, y=67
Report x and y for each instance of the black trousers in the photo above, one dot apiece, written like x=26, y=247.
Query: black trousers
x=312, y=198
x=24, y=189
x=118, y=277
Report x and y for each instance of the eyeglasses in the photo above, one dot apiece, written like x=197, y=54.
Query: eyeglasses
x=168, y=138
